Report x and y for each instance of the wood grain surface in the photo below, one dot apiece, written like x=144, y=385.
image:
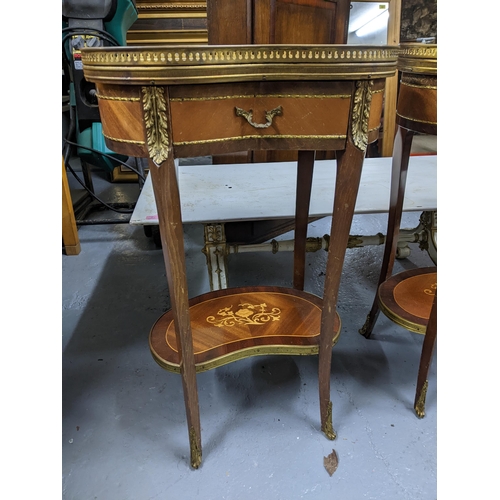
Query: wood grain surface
x=417, y=103
x=407, y=297
x=240, y=322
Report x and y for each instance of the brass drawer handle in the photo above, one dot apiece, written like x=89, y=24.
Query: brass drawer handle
x=269, y=116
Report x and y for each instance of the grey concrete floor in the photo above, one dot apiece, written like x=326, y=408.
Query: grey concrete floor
x=124, y=434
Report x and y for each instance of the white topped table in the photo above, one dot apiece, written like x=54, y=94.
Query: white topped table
x=224, y=193
x=216, y=194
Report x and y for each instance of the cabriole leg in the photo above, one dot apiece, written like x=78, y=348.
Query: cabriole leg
x=349, y=163
x=425, y=361
x=172, y=238
x=400, y=160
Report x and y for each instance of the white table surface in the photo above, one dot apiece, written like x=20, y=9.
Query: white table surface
x=256, y=191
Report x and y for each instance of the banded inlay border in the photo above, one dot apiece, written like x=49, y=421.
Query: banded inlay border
x=116, y=98
x=415, y=119
x=126, y=141
x=429, y=87
x=259, y=96
x=267, y=136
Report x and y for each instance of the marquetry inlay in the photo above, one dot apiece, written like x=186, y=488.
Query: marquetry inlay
x=125, y=141
x=258, y=96
x=259, y=136
x=115, y=98
x=245, y=314
x=413, y=119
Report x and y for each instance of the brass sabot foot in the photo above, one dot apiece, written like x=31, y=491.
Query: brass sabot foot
x=365, y=330
x=195, y=450
x=420, y=404
x=328, y=425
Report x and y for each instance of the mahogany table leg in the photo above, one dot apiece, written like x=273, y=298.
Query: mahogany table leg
x=305, y=168
x=167, y=198
x=349, y=165
x=425, y=361
x=400, y=160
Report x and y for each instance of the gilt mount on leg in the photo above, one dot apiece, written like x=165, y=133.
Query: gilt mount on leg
x=156, y=122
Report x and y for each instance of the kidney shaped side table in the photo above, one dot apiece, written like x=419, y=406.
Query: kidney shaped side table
x=183, y=101
x=409, y=298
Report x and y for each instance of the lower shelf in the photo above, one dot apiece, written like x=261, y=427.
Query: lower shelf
x=236, y=323
x=406, y=298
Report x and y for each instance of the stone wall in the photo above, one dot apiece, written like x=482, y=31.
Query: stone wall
x=418, y=19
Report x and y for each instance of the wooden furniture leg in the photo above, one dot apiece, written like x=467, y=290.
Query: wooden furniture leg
x=70, y=238
x=349, y=165
x=402, y=147
x=305, y=167
x=408, y=298
x=172, y=240
x=425, y=361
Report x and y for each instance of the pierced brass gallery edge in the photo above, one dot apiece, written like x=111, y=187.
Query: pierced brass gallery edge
x=418, y=58
x=175, y=65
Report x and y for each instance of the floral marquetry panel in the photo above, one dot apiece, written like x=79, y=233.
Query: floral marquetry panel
x=237, y=323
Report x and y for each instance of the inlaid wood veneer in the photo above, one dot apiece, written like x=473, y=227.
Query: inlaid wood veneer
x=235, y=323
x=176, y=101
x=407, y=297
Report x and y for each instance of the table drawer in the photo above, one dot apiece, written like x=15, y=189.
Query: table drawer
x=265, y=112
x=234, y=117
x=295, y=114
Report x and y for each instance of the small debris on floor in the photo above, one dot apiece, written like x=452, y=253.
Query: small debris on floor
x=331, y=462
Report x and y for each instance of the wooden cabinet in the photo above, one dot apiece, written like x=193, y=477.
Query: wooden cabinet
x=169, y=22
x=229, y=22
x=232, y=22
x=277, y=21
x=300, y=21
